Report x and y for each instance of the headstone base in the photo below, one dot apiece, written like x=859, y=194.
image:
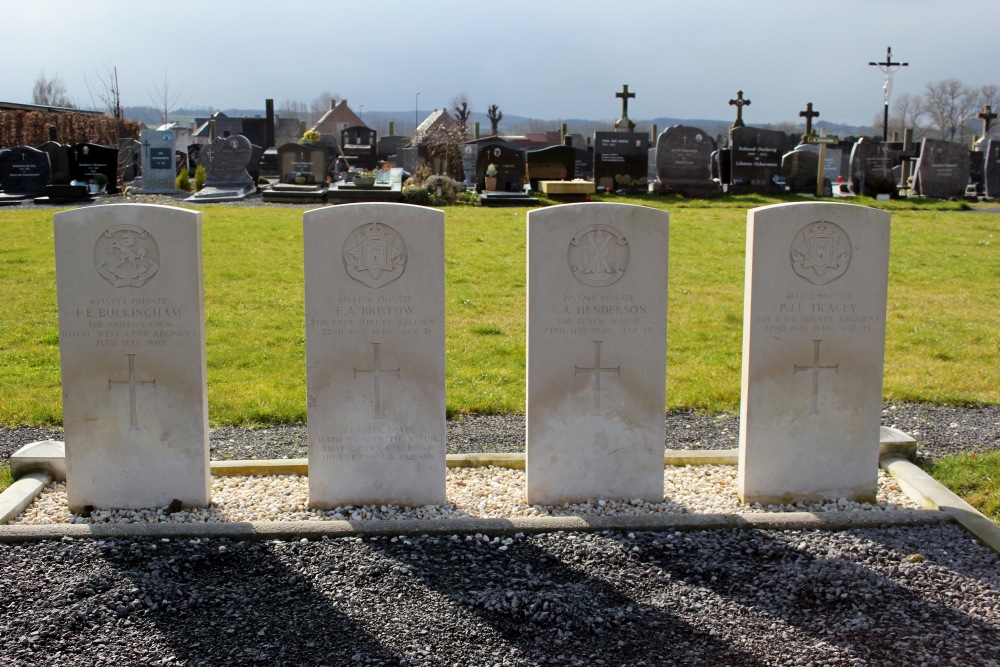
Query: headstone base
x=689, y=189
x=284, y=193
x=220, y=194
x=65, y=194
x=506, y=199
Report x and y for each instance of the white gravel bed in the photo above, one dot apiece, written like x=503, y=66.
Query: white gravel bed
x=485, y=493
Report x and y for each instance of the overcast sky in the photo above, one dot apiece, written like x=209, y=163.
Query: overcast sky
x=548, y=59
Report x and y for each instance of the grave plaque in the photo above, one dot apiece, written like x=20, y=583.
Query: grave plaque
x=88, y=161
x=755, y=156
x=621, y=160
x=554, y=163
x=374, y=282
x=871, y=168
x=813, y=344
x=684, y=160
x=991, y=169
x=132, y=348
x=943, y=169
x=509, y=163
x=158, y=170
x=597, y=313
x=24, y=171
x=302, y=160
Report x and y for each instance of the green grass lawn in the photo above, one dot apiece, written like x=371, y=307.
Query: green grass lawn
x=975, y=477
x=943, y=329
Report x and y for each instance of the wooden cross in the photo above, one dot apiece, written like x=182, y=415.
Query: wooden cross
x=739, y=103
x=987, y=114
x=809, y=114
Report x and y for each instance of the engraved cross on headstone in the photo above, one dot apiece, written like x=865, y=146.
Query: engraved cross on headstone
x=809, y=114
x=624, y=124
x=988, y=115
x=596, y=371
x=815, y=368
x=377, y=373
x=132, y=383
x=739, y=103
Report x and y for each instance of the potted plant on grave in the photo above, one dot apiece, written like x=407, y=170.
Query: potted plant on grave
x=101, y=183
x=365, y=178
x=491, y=177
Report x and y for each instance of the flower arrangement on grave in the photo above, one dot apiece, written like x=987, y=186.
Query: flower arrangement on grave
x=491, y=170
x=310, y=137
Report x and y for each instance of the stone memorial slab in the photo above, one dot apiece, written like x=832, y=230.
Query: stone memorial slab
x=755, y=156
x=799, y=169
x=58, y=161
x=813, y=346
x=597, y=314
x=24, y=171
x=871, y=168
x=510, y=167
x=991, y=169
x=303, y=160
x=621, y=160
x=226, y=177
x=132, y=348
x=374, y=287
x=684, y=160
x=89, y=163
x=554, y=163
x=943, y=169
x=159, y=175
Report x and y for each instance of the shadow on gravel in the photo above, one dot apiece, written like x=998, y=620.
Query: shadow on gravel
x=853, y=602
x=217, y=602
x=552, y=611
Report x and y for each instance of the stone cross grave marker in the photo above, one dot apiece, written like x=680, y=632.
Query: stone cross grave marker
x=159, y=174
x=813, y=346
x=739, y=103
x=132, y=347
x=809, y=114
x=374, y=280
x=987, y=115
x=597, y=313
x=624, y=124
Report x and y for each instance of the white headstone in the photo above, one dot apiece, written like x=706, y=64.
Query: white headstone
x=813, y=347
x=374, y=276
x=132, y=346
x=159, y=174
x=597, y=317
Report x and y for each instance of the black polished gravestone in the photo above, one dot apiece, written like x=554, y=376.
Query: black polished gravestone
x=684, y=161
x=24, y=172
x=799, y=169
x=89, y=162
x=58, y=161
x=555, y=163
x=303, y=169
x=871, y=168
x=130, y=159
x=755, y=158
x=991, y=169
x=470, y=159
x=226, y=177
x=942, y=170
x=360, y=145
x=509, y=163
x=621, y=160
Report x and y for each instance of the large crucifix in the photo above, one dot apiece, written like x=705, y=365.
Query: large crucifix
x=888, y=68
x=809, y=114
x=739, y=103
x=624, y=124
x=988, y=115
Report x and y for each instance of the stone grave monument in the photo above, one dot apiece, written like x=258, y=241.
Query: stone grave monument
x=226, y=177
x=755, y=159
x=684, y=162
x=510, y=166
x=25, y=172
x=159, y=175
x=991, y=169
x=813, y=346
x=302, y=170
x=621, y=161
x=132, y=348
x=93, y=163
x=942, y=169
x=554, y=163
x=374, y=286
x=597, y=315
x=799, y=167
x=871, y=166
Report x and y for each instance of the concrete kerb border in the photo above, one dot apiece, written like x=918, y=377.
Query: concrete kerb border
x=917, y=484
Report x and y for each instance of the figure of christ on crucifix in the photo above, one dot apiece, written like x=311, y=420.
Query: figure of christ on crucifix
x=377, y=372
x=624, y=124
x=739, y=103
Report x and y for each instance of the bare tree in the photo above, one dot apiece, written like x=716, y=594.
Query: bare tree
x=949, y=105
x=51, y=92
x=495, y=116
x=163, y=99
x=462, y=109
x=906, y=112
x=107, y=91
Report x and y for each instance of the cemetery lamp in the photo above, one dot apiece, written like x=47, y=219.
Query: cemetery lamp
x=416, y=106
